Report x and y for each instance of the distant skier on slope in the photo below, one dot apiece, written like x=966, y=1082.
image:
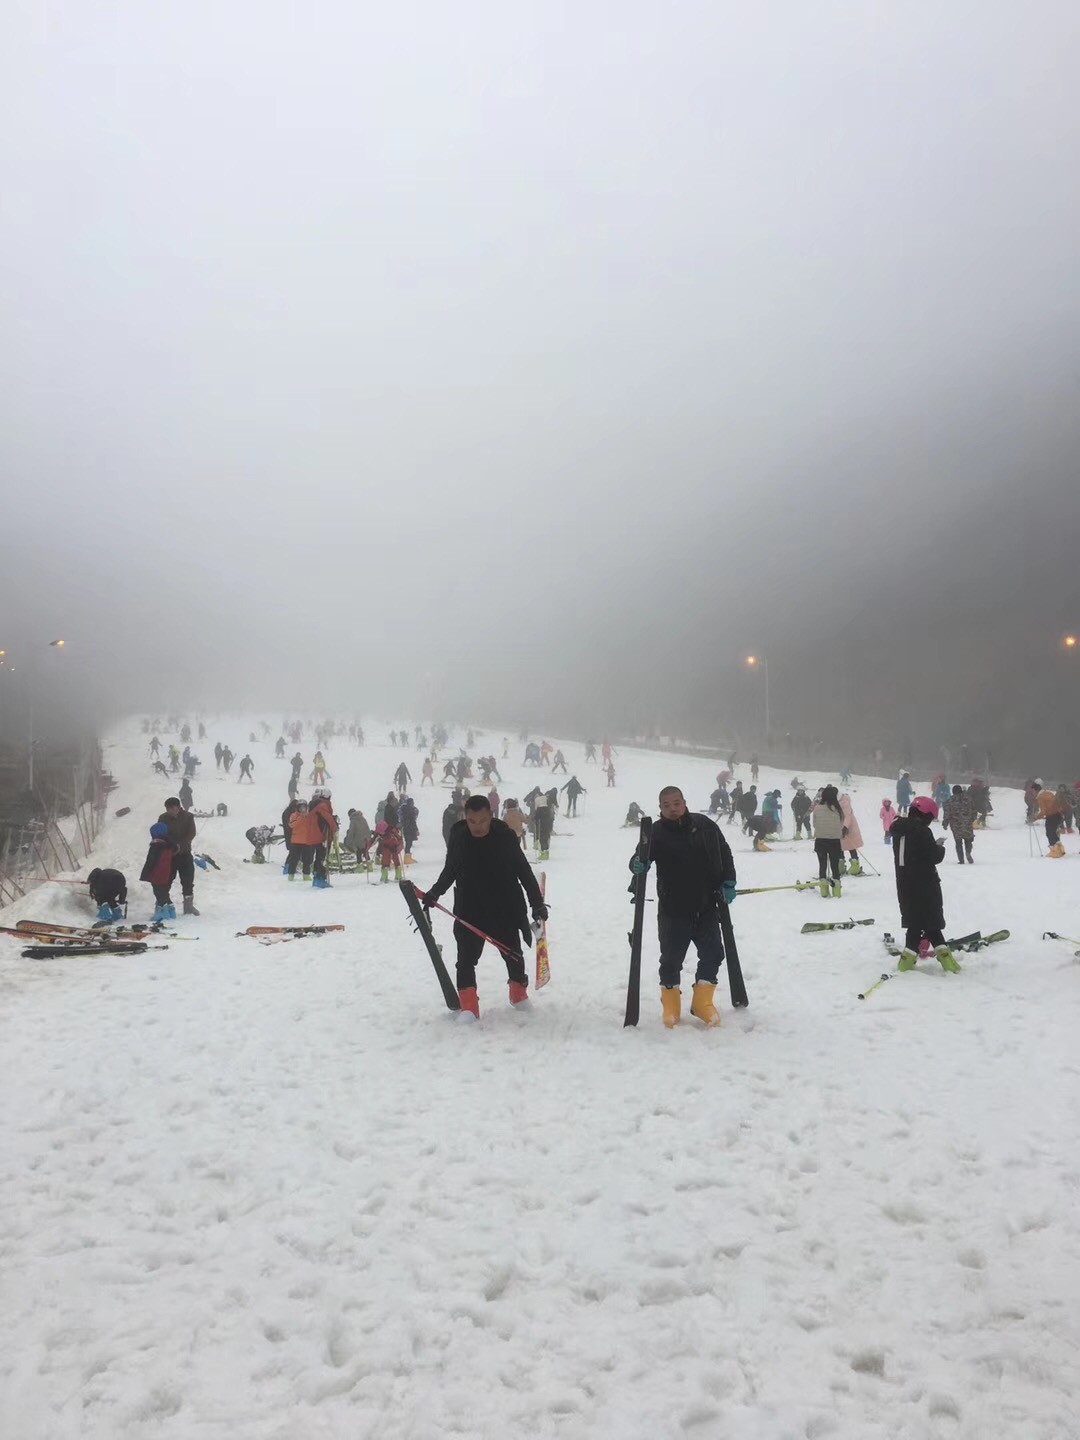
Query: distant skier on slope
x=486, y=864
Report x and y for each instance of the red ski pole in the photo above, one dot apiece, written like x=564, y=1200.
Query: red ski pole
x=434, y=905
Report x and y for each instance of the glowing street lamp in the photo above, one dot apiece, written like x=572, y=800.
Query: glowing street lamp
x=1069, y=642
x=755, y=662
x=52, y=645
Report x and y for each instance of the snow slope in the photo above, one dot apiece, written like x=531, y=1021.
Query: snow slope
x=278, y=1193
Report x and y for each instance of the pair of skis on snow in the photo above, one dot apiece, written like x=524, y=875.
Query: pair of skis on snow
x=52, y=940
x=736, y=984
x=413, y=897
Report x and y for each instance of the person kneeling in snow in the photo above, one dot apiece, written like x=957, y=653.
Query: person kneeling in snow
x=108, y=890
x=486, y=863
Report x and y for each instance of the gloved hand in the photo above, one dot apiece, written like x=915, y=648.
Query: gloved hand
x=639, y=866
x=540, y=913
x=729, y=892
x=198, y=859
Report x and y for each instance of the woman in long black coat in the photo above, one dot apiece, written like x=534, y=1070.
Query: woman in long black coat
x=916, y=856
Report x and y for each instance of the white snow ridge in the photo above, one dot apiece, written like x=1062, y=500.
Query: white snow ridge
x=276, y=1193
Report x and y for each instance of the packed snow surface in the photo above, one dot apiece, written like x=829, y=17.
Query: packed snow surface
x=280, y=1193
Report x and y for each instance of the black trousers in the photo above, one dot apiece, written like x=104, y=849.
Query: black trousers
x=300, y=855
x=183, y=868
x=1053, y=829
x=677, y=933
x=469, y=946
x=829, y=852
x=161, y=894
x=963, y=843
x=802, y=822
x=571, y=805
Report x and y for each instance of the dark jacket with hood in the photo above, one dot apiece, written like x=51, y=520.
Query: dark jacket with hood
x=916, y=856
x=492, y=879
x=107, y=885
x=692, y=861
x=181, y=830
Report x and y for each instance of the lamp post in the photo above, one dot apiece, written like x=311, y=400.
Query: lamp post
x=53, y=645
x=761, y=662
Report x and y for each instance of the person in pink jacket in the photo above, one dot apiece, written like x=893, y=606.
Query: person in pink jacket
x=853, y=841
x=888, y=815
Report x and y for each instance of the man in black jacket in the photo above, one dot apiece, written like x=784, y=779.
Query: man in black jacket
x=695, y=875
x=488, y=868
x=800, y=808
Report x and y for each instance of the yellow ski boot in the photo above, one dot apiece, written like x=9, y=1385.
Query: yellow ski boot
x=671, y=1000
x=702, y=1004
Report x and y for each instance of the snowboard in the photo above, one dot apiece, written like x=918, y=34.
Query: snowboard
x=543, y=968
x=449, y=990
x=812, y=927
x=637, y=890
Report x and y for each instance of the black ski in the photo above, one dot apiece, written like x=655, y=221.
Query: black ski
x=450, y=995
x=736, y=984
x=57, y=952
x=637, y=890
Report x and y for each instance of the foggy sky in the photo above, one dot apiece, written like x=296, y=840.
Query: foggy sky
x=540, y=361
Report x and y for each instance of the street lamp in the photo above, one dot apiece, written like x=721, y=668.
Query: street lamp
x=53, y=645
x=1069, y=642
x=754, y=662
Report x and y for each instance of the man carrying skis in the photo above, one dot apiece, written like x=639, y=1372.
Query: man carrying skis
x=695, y=875
x=489, y=869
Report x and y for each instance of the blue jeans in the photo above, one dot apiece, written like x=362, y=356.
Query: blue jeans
x=677, y=932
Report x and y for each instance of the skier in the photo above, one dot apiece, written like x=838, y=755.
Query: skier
x=1048, y=808
x=279, y=748
x=259, y=836
x=449, y=771
x=979, y=791
x=828, y=820
x=544, y=816
x=574, y=790
x=191, y=764
x=159, y=768
x=853, y=841
x=391, y=807
x=1066, y=795
x=773, y=810
x=318, y=769
x=450, y=817
x=402, y=778
x=227, y=757
x=959, y=817
x=180, y=828
x=748, y=808
x=754, y=767
x=305, y=835
x=297, y=763
x=202, y=731
x=887, y=815
x=358, y=838
x=409, y=817
x=247, y=765
x=735, y=801
x=108, y=890
x=800, y=810
x=532, y=753
x=174, y=759
x=941, y=790
x=185, y=733
x=493, y=800
x=610, y=773
x=187, y=800
x=486, y=864
x=590, y=752
x=158, y=870
x=427, y=776
x=634, y=813
x=155, y=747
x=916, y=856
x=759, y=827
x=545, y=752
x=559, y=763
x=904, y=791
x=485, y=769
x=695, y=875
x=388, y=844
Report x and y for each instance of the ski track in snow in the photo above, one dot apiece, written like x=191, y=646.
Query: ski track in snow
x=278, y=1193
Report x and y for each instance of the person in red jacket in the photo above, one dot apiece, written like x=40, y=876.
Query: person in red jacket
x=180, y=824
x=323, y=811
x=388, y=840
x=158, y=872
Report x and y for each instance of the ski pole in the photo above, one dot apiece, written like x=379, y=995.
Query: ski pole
x=764, y=889
x=865, y=861
x=871, y=988
x=1053, y=935
x=434, y=904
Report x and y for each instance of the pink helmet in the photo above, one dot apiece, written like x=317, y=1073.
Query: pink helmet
x=927, y=806
x=381, y=827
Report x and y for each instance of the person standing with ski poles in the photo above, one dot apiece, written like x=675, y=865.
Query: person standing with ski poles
x=493, y=881
x=695, y=875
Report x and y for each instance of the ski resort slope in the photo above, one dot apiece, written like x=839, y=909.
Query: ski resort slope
x=280, y=1193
